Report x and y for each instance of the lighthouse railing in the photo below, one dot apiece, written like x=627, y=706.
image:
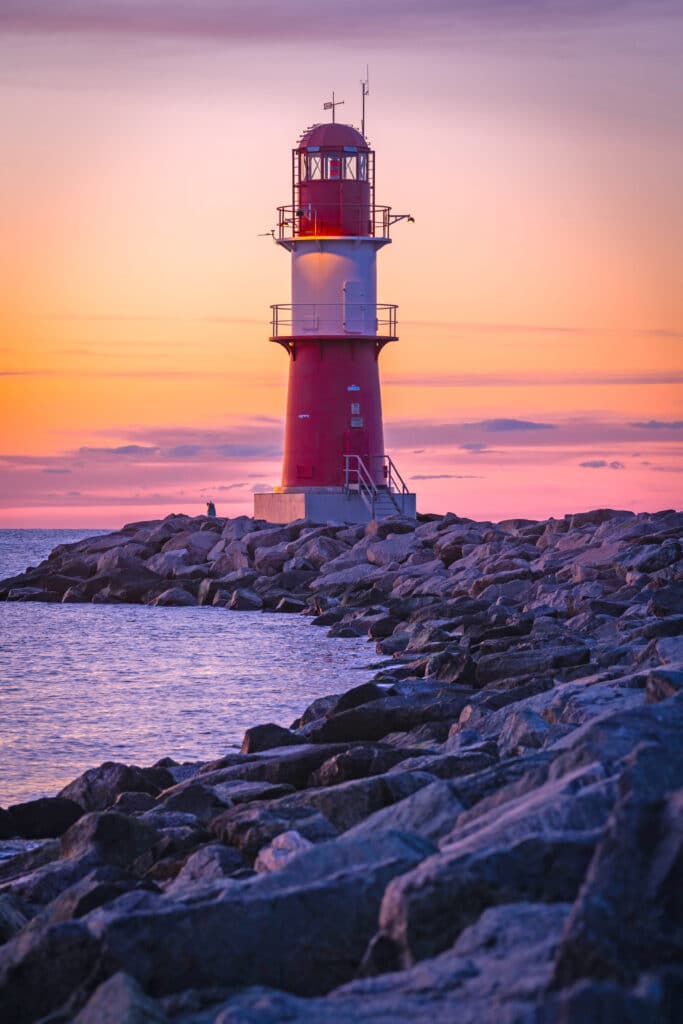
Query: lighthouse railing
x=358, y=479
x=355, y=319
x=395, y=481
x=326, y=220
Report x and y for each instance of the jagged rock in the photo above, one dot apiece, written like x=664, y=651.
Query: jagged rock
x=120, y=1000
x=288, y=765
x=523, y=728
x=174, y=597
x=430, y=812
x=324, y=901
x=13, y=916
x=318, y=709
x=290, y=605
x=7, y=825
x=211, y=862
x=425, y=910
x=663, y=683
x=377, y=718
x=349, y=802
x=627, y=918
x=113, y=838
x=97, y=788
x=355, y=763
x=44, y=818
x=41, y=966
x=244, y=600
x=99, y=886
x=252, y=827
x=166, y=562
x=281, y=850
x=266, y=737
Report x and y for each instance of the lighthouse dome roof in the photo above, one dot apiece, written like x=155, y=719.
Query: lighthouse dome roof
x=332, y=135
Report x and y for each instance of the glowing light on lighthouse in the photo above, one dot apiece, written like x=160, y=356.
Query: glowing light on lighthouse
x=333, y=330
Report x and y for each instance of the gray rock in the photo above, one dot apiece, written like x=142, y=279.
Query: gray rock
x=252, y=827
x=355, y=763
x=211, y=862
x=244, y=600
x=523, y=729
x=120, y=1000
x=628, y=916
x=44, y=818
x=174, y=597
x=42, y=966
x=281, y=850
x=431, y=812
x=266, y=737
x=425, y=910
x=165, y=563
x=97, y=788
x=13, y=916
x=324, y=901
x=112, y=838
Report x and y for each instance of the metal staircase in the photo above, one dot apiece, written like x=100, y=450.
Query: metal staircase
x=382, y=500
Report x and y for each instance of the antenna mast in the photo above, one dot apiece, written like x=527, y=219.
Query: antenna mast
x=365, y=91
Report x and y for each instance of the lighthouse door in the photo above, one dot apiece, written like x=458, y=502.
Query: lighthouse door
x=355, y=307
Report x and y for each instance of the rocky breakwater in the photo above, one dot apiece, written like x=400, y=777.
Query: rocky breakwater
x=491, y=830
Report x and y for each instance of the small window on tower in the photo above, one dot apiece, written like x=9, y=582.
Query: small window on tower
x=356, y=421
x=355, y=408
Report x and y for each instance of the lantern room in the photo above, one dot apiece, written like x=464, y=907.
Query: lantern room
x=333, y=183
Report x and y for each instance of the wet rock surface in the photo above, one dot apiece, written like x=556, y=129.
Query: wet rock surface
x=490, y=830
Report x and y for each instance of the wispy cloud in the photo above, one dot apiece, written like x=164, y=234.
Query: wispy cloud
x=659, y=425
x=602, y=464
x=475, y=446
x=539, y=380
x=259, y=20
x=503, y=425
x=446, y=476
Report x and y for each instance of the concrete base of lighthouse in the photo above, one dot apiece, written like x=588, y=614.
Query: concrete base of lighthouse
x=324, y=506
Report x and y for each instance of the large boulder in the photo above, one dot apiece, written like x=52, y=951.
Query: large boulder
x=98, y=788
x=302, y=928
x=431, y=812
x=628, y=916
x=111, y=838
x=120, y=1000
x=42, y=966
x=45, y=817
x=425, y=910
x=265, y=737
x=348, y=803
x=254, y=826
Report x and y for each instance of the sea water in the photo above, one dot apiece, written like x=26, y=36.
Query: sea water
x=85, y=683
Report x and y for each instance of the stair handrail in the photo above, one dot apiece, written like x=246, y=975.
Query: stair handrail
x=364, y=484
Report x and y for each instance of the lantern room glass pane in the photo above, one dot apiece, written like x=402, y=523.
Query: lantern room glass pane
x=313, y=166
x=350, y=167
x=362, y=166
x=333, y=166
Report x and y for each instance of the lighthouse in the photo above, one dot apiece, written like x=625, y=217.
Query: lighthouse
x=335, y=466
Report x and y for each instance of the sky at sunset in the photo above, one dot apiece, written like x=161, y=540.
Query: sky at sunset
x=145, y=147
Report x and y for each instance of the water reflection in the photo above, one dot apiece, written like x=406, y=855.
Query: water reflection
x=81, y=684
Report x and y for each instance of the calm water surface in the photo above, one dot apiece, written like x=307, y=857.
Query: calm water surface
x=82, y=684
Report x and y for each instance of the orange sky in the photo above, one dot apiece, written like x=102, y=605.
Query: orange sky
x=539, y=369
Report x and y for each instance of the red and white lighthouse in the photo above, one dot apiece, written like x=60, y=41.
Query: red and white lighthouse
x=335, y=466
